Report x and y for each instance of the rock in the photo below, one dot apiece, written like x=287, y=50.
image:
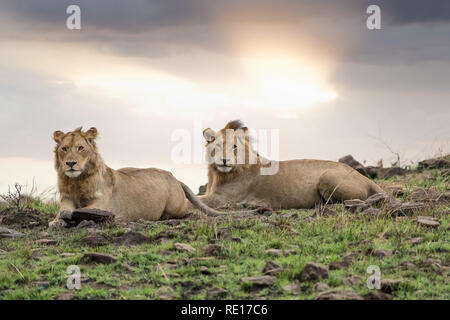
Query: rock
x=66, y=296
x=86, y=224
x=272, y=268
x=165, y=293
x=216, y=293
x=204, y=270
x=338, y=294
x=320, y=286
x=349, y=160
x=324, y=211
x=9, y=233
x=355, y=205
x=292, y=288
x=394, y=171
x=381, y=253
x=42, y=285
x=183, y=247
x=214, y=250
x=415, y=241
x=98, y=258
x=94, y=240
x=67, y=254
x=376, y=295
x=351, y=280
x=371, y=212
x=96, y=215
x=46, y=242
x=275, y=252
x=346, y=261
x=389, y=285
x=408, y=265
x=378, y=199
x=434, y=163
x=427, y=221
x=132, y=238
x=313, y=272
x=424, y=195
x=264, y=210
x=406, y=208
x=259, y=281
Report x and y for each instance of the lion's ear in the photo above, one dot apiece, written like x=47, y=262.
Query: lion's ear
x=209, y=134
x=92, y=133
x=57, y=136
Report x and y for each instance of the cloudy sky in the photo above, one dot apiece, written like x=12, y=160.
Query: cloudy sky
x=142, y=71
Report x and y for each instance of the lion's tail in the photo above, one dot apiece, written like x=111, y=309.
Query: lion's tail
x=204, y=208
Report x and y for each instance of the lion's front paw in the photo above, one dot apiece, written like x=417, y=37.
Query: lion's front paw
x=57, y=223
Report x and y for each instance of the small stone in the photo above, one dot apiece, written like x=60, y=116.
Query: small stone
x=346, y=261
x=94, y=240
x=376, y=295
x=165, y=293
x=214, y=250
x=216, y=293
x=313, y=272
x=378, y=199
x=42, y=285
x=406, y=208
x=204, y=270
x=389, y=285
x=132, y=238
x=320, y=286
x=9, y=233
x=46, y=241
x=66, y=296
x=183, y=247
x=292, y=288
x=338, y=294
x=259, y=281
x=372, y=212
x=415, y=241
x=275, y=252
x=86, y=224
x=272, y=268
x=98, y=258
x=351, y=280
x=428, y=222
x=381, y=253
x=67, y=254
x=355, y=205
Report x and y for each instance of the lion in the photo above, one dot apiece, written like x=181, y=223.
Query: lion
x=85, y=181
x=238, y=175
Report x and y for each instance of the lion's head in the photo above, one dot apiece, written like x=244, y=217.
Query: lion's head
x=229, y=150
x=76, y=152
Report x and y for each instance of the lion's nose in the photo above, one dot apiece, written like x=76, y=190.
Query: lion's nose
x=71, y=164
x=225, y=161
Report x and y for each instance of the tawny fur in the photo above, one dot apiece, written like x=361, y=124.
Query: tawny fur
x=297, y=184
x=129, y=193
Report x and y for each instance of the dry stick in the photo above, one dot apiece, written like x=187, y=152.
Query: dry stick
x=163, y=273
x=18, y=271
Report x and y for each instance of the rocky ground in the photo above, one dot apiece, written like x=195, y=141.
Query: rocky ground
x=323, y=253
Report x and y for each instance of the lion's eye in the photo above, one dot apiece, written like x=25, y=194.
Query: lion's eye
x=64, y=149
x=80, y=148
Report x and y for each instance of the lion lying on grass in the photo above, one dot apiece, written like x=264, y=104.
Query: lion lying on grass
x=84, y=181
x=237, y=174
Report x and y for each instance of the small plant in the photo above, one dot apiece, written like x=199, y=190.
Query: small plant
x=16, y=199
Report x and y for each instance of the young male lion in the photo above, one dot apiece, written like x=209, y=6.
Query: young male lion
x=237, y=174
x=84, y=181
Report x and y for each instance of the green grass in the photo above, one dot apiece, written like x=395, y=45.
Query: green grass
x=243, y=253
